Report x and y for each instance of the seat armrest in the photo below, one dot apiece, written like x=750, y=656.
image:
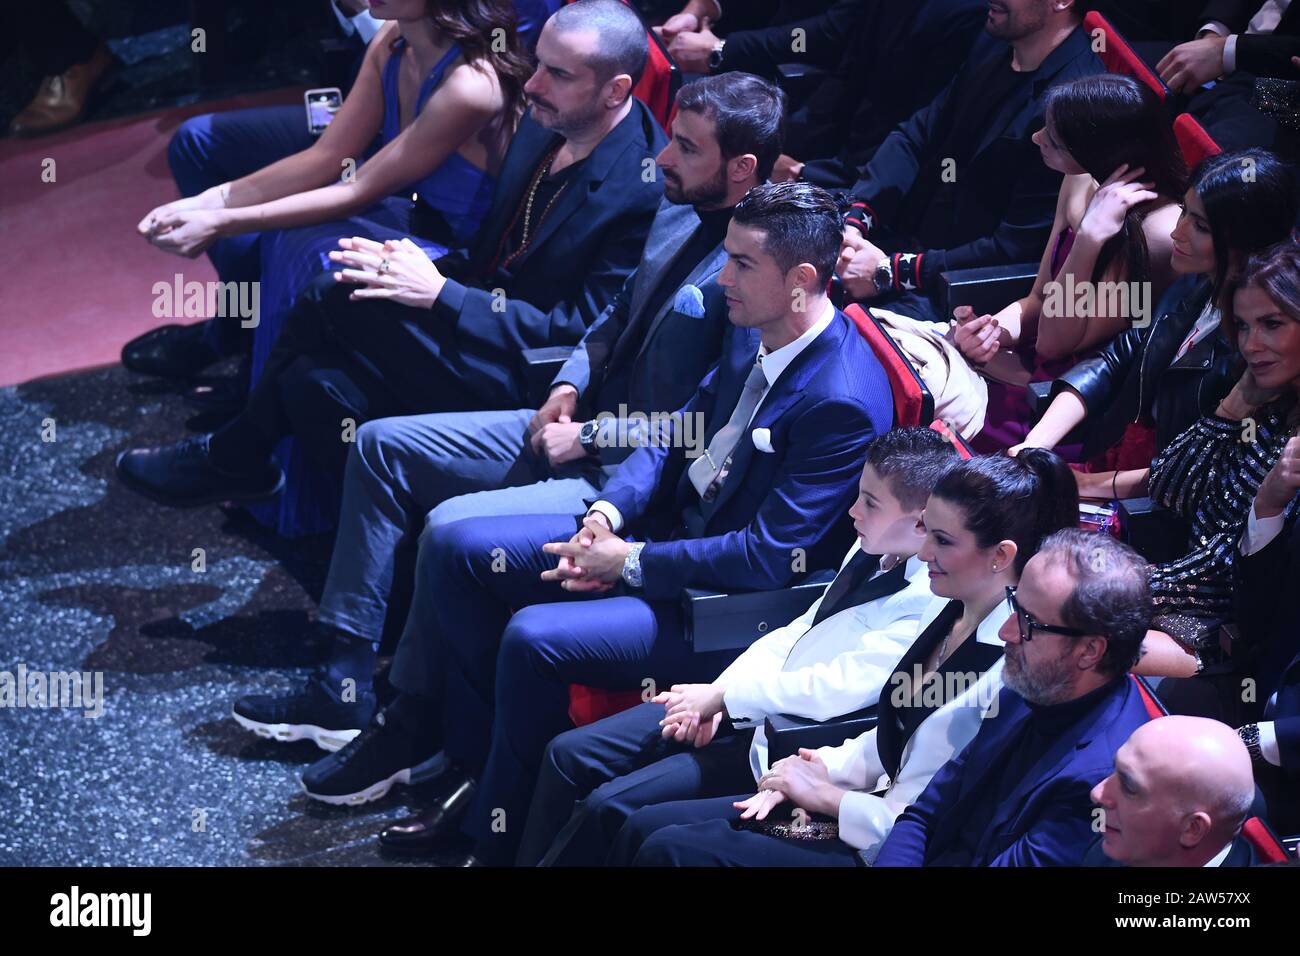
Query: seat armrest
x=987, y=290
x=786, y=733
x=540, y=368
x=716, y=621
x=798, y=80
x=1156, y=533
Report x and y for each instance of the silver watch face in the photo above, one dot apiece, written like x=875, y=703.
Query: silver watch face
x=588, y=432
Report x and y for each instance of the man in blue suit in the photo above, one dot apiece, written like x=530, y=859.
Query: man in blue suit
x=1018, y=795
x=742, y=489
x=647, y=351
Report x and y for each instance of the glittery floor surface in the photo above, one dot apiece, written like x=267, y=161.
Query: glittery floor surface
x=96, y=580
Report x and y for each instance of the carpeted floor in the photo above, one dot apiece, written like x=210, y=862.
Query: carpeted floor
x=95, y=579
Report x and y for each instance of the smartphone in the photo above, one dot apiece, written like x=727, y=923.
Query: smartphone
x=322, y=104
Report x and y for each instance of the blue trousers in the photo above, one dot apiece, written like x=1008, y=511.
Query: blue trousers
x=215, y=148
x=594, y=778
x=419, y=471
x=504, y=677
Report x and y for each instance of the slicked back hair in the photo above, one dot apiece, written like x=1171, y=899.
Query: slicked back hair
x=803, y=223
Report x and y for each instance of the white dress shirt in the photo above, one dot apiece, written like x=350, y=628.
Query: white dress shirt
x=821, y=672
x=772, y=364
x=874, y=801
x=1265, y=21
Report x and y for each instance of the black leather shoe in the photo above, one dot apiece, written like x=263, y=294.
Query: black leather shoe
x=173, y=351
x=182, y=476
x=434, y=828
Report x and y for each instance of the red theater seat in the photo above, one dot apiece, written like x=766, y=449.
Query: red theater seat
x=1119, y=57
x=1196, y=144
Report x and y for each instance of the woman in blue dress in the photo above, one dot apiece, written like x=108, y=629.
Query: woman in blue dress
x=440, y=92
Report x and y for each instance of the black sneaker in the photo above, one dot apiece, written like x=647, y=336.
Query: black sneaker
x=366, y=769
x=315, y=713
x=183, y=476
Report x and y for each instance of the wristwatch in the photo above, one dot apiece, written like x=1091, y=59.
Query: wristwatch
x=1250, y=737
x=632, y=565
x=715, y=57
x=587, y=435
x=884, y=275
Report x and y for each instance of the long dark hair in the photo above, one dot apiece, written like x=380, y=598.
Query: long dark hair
x=487, y=30
x=1105, y=121
x=1250, y=201
x=1022, y=499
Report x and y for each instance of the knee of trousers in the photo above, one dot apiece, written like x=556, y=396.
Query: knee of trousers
x=660, y=848
x=451, y=551
x=530, y=632
x=184, y=151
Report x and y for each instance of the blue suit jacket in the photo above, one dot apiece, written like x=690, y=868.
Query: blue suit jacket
x=1047, y=820
x=821, y=414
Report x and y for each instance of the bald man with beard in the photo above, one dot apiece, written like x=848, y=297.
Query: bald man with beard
x=1181, y=790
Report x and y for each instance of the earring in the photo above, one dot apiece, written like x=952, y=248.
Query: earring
x=995, y=567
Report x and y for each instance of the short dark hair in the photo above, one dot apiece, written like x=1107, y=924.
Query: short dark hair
x=748, y=112
x=1111, y=596
x=1022, y=499
x=803, y=223
x=622, y=45
x=911, y=461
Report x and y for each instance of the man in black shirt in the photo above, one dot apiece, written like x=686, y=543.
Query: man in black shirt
x=645, y=355
x=960, y=184
x=448, y=335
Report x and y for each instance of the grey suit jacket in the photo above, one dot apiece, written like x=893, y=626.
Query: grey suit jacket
x=667, y=353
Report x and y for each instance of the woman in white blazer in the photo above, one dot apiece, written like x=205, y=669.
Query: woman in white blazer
x=985, y=519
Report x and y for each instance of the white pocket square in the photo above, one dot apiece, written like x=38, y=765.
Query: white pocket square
x=763, y=440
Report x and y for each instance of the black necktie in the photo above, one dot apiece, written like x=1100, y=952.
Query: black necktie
x=855, y=585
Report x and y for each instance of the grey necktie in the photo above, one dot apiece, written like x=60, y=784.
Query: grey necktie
x=709, y=470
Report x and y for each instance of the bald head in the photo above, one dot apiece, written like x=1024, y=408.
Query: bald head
x=1181, y=790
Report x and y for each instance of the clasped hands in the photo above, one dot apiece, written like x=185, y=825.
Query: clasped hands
x=186, y=227
x=803, y=779
x=591, y=562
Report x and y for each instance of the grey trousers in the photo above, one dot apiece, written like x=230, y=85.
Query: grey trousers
x=409, y=473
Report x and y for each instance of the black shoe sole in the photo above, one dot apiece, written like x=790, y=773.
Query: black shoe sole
x=153, y=494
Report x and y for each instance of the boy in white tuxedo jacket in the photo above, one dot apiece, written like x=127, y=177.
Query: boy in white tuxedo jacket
x=831, y=660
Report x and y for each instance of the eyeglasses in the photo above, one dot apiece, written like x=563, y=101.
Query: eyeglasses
x=1028, y=625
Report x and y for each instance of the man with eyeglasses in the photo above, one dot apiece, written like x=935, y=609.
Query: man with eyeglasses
x=1018, y=795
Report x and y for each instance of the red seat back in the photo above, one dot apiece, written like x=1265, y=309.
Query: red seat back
x=1268, y=848
x=1196, y=144
x=1149, y=699
x=913, y=404
x=1119, y=57
x=963, y=447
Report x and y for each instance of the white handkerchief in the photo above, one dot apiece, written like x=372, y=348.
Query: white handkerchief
x=763, y=440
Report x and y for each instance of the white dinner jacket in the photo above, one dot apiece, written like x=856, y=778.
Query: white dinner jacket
x=820, y=672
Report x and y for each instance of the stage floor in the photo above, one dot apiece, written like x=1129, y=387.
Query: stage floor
x=95, y=579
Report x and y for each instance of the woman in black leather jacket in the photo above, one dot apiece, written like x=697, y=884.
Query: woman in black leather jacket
x=1177, y=370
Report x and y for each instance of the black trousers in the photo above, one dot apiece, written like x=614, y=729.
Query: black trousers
x=337, y=364
x=594, y=778
x=53, y=37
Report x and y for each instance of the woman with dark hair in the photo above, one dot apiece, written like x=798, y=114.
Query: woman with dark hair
x=1161, y=378
x=1114, y=213
x=1211, y=472
x=441, y=87
x=983, y=522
